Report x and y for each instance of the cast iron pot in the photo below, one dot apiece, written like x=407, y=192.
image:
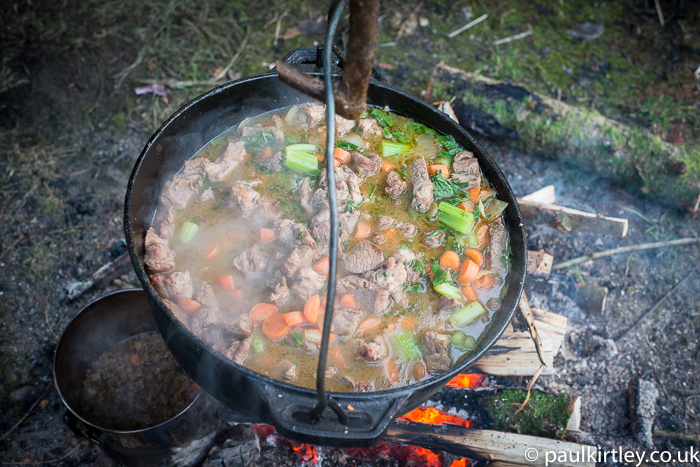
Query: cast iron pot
x=261, y=398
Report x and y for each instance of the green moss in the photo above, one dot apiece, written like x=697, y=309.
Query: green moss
x=544, y=415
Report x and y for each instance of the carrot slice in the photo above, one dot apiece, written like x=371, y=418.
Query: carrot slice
x=476, y=256
x=341, y=155
x=311, y=308
x=441, y=168
x=408, y=322
x=468, y=206
x=348, y=301
x=390, y=233
x=267, y=152
x=322, y=266
x=274, y=327
x=481, y=234
x=226, y=282
x=449, y=260
x=467, y=272
x=267, y=235
x=261, y=311
x=484, y=282
x=235, y=294
x=474, y=194
x=212, y=251
x=390, y=370
x=387, y=167
x=368, y=324
x=320, y=157
x=294, y=318
x=188, y=305
x=469, y=292
x=363, y=230
x=336, y=355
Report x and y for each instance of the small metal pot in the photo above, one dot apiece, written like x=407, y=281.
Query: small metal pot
x=182, y=441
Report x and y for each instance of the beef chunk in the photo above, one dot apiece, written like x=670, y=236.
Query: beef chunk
x=293, y=234
x=395, y=186
x=404, y=255
x=308, y=283
x=281, y=294
x=345, y=321
x=347, y=223
x=383, y=301
x=367, y=165
x=373, y=349
x=159, y=256
x=251, y=263
x=499, y=236
x=268, y=211
x=240, y=327
x=447, y=304
x=433, y=238
x=207, y=314
x=164, y=222
x=239, y=350
x=195, y=167
x=321, y=228
x=369, y=127
x=305, y=194
x=207, y=195
x=275, y=130
x=465, y=169
x=409, y=230
x=363, y=290
x=422, y=186
x=435, y=346
x=245, y=197
x=360, y=386
x=275, y=262
x=385, y=222
x=330, y=371
x=391, y=276
x=343, y=125
x=233, y=155
x=319, y=199
x=182, y=316
x=272, y=163
x=176, y=285
x=364, y=257
x=178, y=191
x=309, y=114
x=378, y=238
x=299, y=258
x=287, y=370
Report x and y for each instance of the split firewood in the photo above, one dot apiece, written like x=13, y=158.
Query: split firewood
x=575, y=418
x=546, y=195
x=539, y=263
x=498, y=448
x=100, y=278
x=524, y=305
x=445, y=107
x=632, y=156
x=643, y=395
x=568, y=219
x=591, y=297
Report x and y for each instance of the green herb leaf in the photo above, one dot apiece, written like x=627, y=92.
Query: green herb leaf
x=357, y=130
x=297, y=338
x=418, y=265
x=448, y=142
x=383, y=118
x=345, y=145
x=440, y=276
x=400, y=137
x=352, y=205
x=418, y=128
x=444, y=188
x=387, y=133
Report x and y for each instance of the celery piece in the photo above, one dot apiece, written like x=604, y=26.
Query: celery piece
x=391, y=149
x=456, y=218
x=406, y=345
x=189, y=229
x=300, y=158
x=457, y=339
x=256, y=343
x=469, y=343
x=468, y=314
x=472, y=241
x=449, y=290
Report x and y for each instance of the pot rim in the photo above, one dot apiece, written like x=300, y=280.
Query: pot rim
x=517, y=282
x=86, y=309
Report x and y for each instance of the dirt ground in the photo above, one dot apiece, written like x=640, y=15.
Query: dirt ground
x=71, y=128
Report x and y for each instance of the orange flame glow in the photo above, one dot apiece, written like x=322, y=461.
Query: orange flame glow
x=307, y=452
x=466, y=381
x=404, y=455
x=433, y=417
x=461, y=463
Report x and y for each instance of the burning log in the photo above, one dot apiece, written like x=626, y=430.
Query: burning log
x=632, y=156
x=515, y=353
x=498, y=448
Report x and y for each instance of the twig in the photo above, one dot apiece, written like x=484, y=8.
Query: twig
x=656, y=306
x=681, y=436
x=14, y=244
x=660, y=13
x=21, y=420
x=467, y=26
x=125, y=72
x=52, y=461
x=279, y=26
x=651, y=360
x=529, y=388
x=688, y=392
x=626, y=249
x=233, y=60
x=530, y=320
x=516, y=37
x=46, y=316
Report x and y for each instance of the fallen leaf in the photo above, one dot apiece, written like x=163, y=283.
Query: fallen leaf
x=44, y=403
x=386, y=66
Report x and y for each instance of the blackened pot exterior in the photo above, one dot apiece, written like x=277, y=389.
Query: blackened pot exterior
x=253, y=395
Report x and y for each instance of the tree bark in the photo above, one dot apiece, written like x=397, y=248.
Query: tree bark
x=629, y=155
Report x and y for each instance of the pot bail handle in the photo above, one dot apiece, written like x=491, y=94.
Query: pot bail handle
x=368, y=417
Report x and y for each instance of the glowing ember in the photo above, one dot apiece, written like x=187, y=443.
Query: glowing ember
x=433, y=416
x=466, y=381
x=461, y=463
x=307, y=452
x=404, y=455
